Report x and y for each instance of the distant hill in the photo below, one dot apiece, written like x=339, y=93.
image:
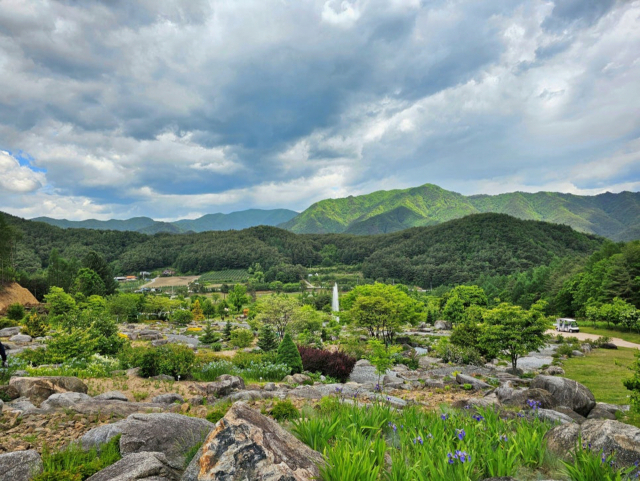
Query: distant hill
x=210, y=222
x=616, y=216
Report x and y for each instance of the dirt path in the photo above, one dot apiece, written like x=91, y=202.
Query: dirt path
x=171, y=281
x=583, y=337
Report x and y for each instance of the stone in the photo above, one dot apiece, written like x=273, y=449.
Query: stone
x=443, y=325
x=270, y=386
x=20, y=465
x=247, y=445
x=65, y=400
x=605, y=434
x=111, y=396
x=167, y=433
x=599, y=412
x=162, y=377
x=577, y=353
x=612, y=408
x=476, y=383
x=567, y=392
x=553, y=416
x=224, y=385
x=426, y=361
x=363, y=373
x=434, y=383
x=608, y=345
x=149, y=335
x=20, y=338
x=571, y=413
x=23, y=405
x=10, y=331
x=38, y=389
x=196, y=400
x=9, y=392
x=250, y=395
x=296, y=379
x=168, y=398
x=101, y=435
x=140, y=466
x=520, y=397
x=586, y=348
x=554, y=371
x=159, y=342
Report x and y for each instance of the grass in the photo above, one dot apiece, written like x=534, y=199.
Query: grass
x=602, y=330
x=230, y=276
x=603, y=371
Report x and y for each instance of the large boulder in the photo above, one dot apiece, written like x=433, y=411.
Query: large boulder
x=247, y=445
x=111, y=396
x=521, y=397
x=168, y=398
x=567, y=392
x=224, y=385
x=38, y=389
x=601, y=434
x=140, y=466
x=10, y=331
x=20, y=465
x=65, y=400
x=168, y=433
x=476, y=383
x=101, y=435
x=443, y=325
x=149, y=335
x=20, y=338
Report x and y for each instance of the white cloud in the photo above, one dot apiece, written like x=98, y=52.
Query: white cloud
x=15, y=178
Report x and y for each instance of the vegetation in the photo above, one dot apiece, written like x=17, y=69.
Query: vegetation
x=241, y=338
x=267, y=339
x=337, y=365
x=288, y=354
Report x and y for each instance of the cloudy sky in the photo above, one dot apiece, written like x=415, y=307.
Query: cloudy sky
x=173, y=109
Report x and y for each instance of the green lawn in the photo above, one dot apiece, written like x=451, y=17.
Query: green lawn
x=603, y=331
x=600, y=372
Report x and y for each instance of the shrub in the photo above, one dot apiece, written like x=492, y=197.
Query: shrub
x=284, y=410
x=288, y=354
x=267, y=338
x=75, y=344
x=209, y=336
x=458, y=355
x=171, y=359
x=565, y=350
x=35, y=326
x=216, y=346
x=4, y=322
x=182, y=317
x=241, y=338
x=212, y=370
x=334, y=364
x=15, y=312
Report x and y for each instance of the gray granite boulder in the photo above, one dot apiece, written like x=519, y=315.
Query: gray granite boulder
x=38, y=389
x=567, y=392
x=111, y=396
x=64, y=400
x=168, y=398
x=443, y=325
x=20, y=338
x=20, y=465
x=101, y=435
x=476, y=383
x=148, y=466
x=10, y=331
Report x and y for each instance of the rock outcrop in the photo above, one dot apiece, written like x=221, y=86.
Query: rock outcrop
x=567, y=392
x=247, y=445
x=140, y=466
x=20, y=465
x=38, y=389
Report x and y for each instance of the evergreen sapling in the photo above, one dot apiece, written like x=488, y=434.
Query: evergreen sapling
x=288, y=354
x=267, y=339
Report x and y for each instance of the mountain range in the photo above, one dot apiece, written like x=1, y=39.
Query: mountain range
x=210, y=222
x=616, y=216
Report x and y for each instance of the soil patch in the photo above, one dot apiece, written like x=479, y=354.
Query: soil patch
x=15, y=293
x=171, y=281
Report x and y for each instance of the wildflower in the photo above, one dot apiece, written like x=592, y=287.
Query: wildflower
x=533, y=404
x=478, y=417
x=504, y=438
x=429, y=436
x=520, y=415
x=604, y=457
x=444, y=417
x=461, y=434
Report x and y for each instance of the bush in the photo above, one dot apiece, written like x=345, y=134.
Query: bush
x=288, y=354
x=15, y=312
x=182, y=317
x=458, y=355
x=334, y=364
x=216, y=347
x=565, y=350
x=171, y=359
x=209, y=336
x=4, y=322
x=241, y=338
x=35, y=326
x=284, y=410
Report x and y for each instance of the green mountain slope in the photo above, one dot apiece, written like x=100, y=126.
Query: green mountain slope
x=234, y=220
x=616, y=216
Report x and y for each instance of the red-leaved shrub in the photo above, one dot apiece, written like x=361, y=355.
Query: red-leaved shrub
x=335, y=364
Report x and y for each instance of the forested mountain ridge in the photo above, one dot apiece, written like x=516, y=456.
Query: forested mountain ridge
x=454, y=252
x=232, y=221
x=616, y=216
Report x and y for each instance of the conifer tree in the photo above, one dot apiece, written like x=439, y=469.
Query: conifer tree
x=209, y=336
x=288, y=354
x=196, y=310
x=227, y=331
x=267, y=339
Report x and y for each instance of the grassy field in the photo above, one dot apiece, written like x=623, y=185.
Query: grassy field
x=603, y=331
x=228, y=276
x=603, y=371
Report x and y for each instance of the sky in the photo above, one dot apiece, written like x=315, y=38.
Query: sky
x=175, y=109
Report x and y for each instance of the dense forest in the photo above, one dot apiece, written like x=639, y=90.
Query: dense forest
x=459, y=251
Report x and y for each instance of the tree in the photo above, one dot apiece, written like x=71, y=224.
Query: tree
x=278, y=311
x=454, y=310
x=209, y=336
x=15, y=312
x=182, y=317
x=238, y=297
x=267, y=338
x=35, y=325
x=515, y=331
x=196, y=311
x=223, y=309
x=382, y=356
x=227, y=331
x=88, y=283
x=8, y=239
x=96, y=263
x=125, y=307
x=59, y=302
x=241, y=338
x=288, y=354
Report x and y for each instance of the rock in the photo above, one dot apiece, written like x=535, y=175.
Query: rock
x=111, y=396
x=20, y=338
x=38, y=389
x=20, y=465
x=250, y=395
x=159, y=342
x=567, y=392
x=476, y=383
x=149, y=335
x=224, y=385
x=608, y=345
x=520, y=397
x=167, y=433
x=64, y=400
x=101, y=435
x=9, y=392
x=577, y=353
x=612, y=408
x=133, y=372
x=196, y=400
x=363, y=373
x=23, y=405
x=434, y=383
x=553, y=416
x=247, y=445
x=270, y=386
x=599, y=412
x=162, y=377
x=10, y=331
x=426, y=362
x=443, y=325
x=571, y=413
x=605, y=434
x=168, y=398
x=296, y=379
x=554, y=371
x=586, y=348
x=140, y=466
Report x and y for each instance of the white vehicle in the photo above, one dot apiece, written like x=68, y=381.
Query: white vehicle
x=567, y=325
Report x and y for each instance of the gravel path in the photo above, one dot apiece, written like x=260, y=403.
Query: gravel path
x=583, y=337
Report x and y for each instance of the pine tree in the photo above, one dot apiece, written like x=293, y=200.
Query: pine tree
x=288, y=354
x=209, y=336
x=227, y=331
x=196, y=310
x=267, y=340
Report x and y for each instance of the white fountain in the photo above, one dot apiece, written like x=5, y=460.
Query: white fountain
x=335, y=304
